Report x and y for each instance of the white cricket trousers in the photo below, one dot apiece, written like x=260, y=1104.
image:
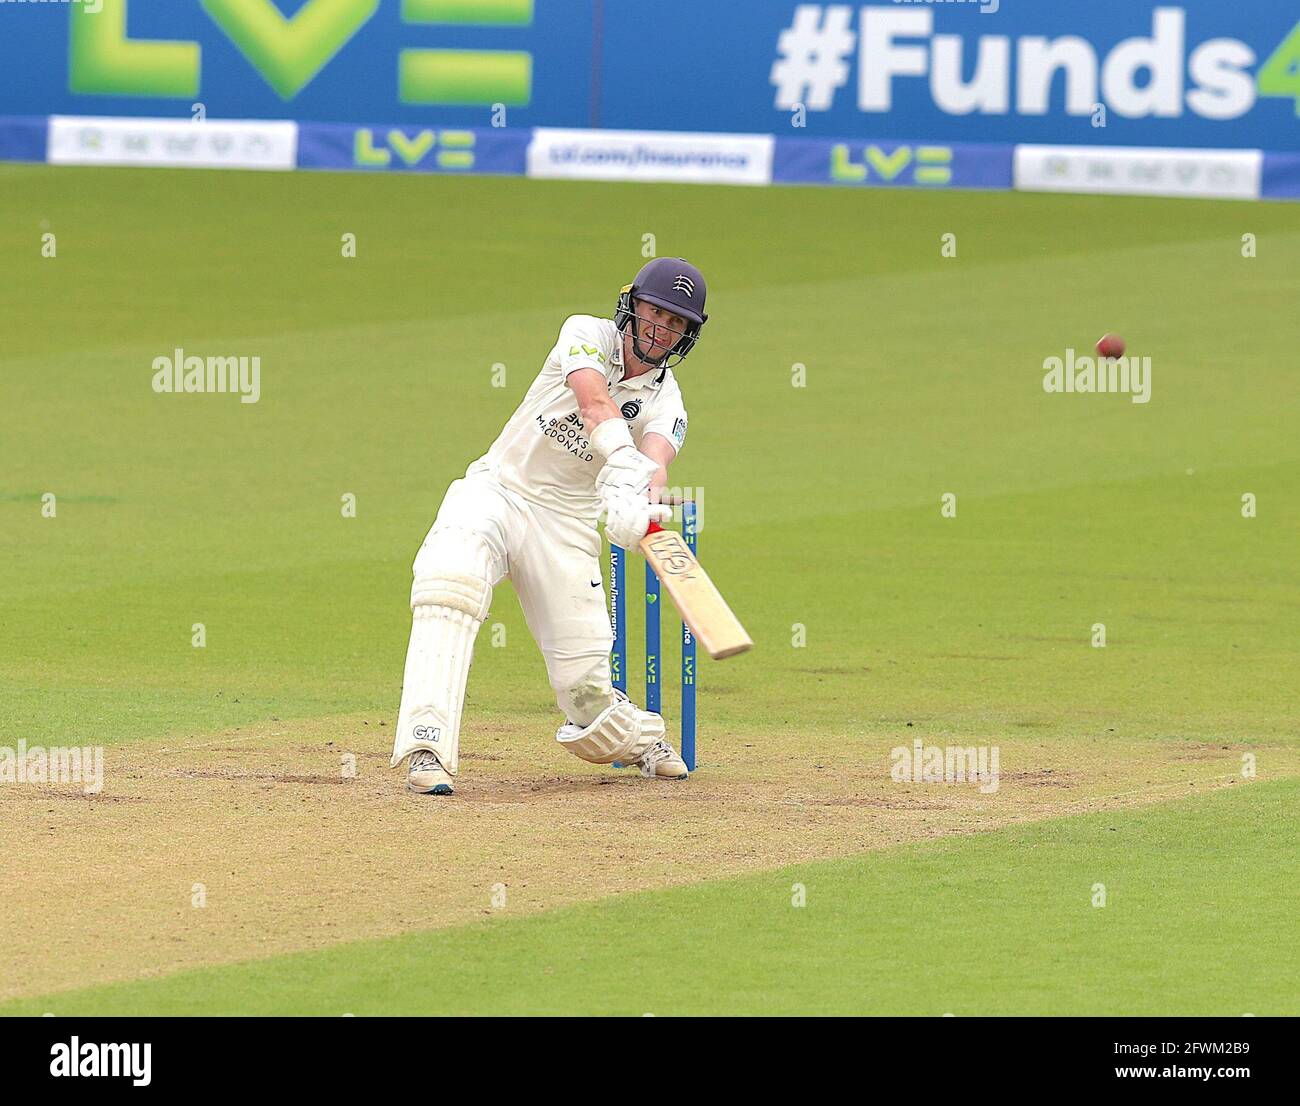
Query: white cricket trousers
x=553, y=561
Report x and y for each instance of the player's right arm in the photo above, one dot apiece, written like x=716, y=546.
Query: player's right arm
x=626, y=468
x=594, y=403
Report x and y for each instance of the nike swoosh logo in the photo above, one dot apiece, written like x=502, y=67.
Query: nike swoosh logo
x=595, y=583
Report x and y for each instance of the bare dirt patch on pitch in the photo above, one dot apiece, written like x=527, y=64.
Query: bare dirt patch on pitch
x=255, y=842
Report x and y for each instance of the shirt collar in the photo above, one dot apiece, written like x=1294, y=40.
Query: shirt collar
x=645, y=380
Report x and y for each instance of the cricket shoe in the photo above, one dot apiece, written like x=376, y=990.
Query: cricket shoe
x=425, y=775
x=661, y=762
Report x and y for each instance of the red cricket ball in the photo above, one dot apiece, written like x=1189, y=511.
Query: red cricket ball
x=1110, y=345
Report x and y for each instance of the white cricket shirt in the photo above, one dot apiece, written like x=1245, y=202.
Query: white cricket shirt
x=543, y=452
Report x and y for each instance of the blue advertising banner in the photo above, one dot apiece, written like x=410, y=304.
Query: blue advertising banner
x=1280, y=179
x=855, y=162
x=23, y=139
x=1200, y=73
x=1105, y=72
x=449, y=62
x=412, y=149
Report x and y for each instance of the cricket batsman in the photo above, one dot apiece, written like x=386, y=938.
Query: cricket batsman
x=593, y=438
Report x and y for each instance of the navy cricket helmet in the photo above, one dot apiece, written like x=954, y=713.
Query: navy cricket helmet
x=675, y=285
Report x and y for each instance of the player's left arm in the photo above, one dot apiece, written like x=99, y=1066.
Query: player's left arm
x=662, y=451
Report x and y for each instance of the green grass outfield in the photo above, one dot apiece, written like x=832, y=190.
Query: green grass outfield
x=1003, y=923
x=873, y=615
x=923, y=377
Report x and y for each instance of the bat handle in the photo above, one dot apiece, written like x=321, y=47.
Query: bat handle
x=666, y=501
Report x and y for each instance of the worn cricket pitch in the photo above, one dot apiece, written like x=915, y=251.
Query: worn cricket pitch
x=292, y=855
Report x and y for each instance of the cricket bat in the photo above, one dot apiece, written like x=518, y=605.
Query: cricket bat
x=697, y=600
